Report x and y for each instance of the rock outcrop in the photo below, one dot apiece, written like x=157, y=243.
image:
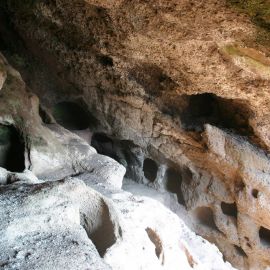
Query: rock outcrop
x=175, y=91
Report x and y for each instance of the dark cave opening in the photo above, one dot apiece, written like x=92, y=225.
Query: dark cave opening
x=12, y=149
x=173, y=180
x=207, y=108
x=201, y=109
x=105, y=60
x=255, y=193
x=150, y=169
x=264, y=235
x=187, y=175
x=104, y=145
x=229, y=209
x=123, y=151
x=71, y=116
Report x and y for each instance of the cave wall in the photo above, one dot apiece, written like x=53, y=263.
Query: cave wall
x=187, y=82
x=67, y=209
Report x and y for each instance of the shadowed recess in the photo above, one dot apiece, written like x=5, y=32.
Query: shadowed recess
x=208, y=108
x=99, y=226
x=123, y=151
x=44, y=115
x=11, y=149
x=150, y=169
x=240, y=251
x=71, y=116
x=173, y=180
x=204, y=216
x=229, y=209
x=255, y=193
x=104, y=145
x=264, y=235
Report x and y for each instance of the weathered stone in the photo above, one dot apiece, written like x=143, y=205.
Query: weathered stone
x=179, y=91
x=75, y=226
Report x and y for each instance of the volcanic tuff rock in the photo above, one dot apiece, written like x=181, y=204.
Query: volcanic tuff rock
x=75, y=215
x=175, y=91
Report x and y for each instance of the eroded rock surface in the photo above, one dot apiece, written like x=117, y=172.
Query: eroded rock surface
x=41, y=226
x=66, y=225
x=75, y=215
x=175, y=91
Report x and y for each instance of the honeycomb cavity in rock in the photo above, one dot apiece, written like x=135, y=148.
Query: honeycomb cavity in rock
x=255, y=193
x=205, y=217
x=105, y=60
x=103, y=144
x=150, y=169
x=229, y=209
x=123, y=151
x=99, y=226
x=264, y=235
x=240, y=251
x=173, y=180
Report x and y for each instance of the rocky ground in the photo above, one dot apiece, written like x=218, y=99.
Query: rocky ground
x=174, y=94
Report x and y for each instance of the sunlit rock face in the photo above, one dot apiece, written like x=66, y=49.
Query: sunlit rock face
x=177, y=92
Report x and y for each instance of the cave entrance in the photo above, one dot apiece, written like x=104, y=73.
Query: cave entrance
x=150, y=169
x=123, y=151
x=104, y=145
x=200, y=109
x=173, y=180
x=71, y=116
x=208, y=108
x=12, y=149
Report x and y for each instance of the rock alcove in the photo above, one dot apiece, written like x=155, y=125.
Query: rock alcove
x=12, y=149
x=71, y=116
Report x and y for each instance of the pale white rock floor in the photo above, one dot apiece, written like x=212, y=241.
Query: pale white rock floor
x=143, y=209
x=41, y=228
